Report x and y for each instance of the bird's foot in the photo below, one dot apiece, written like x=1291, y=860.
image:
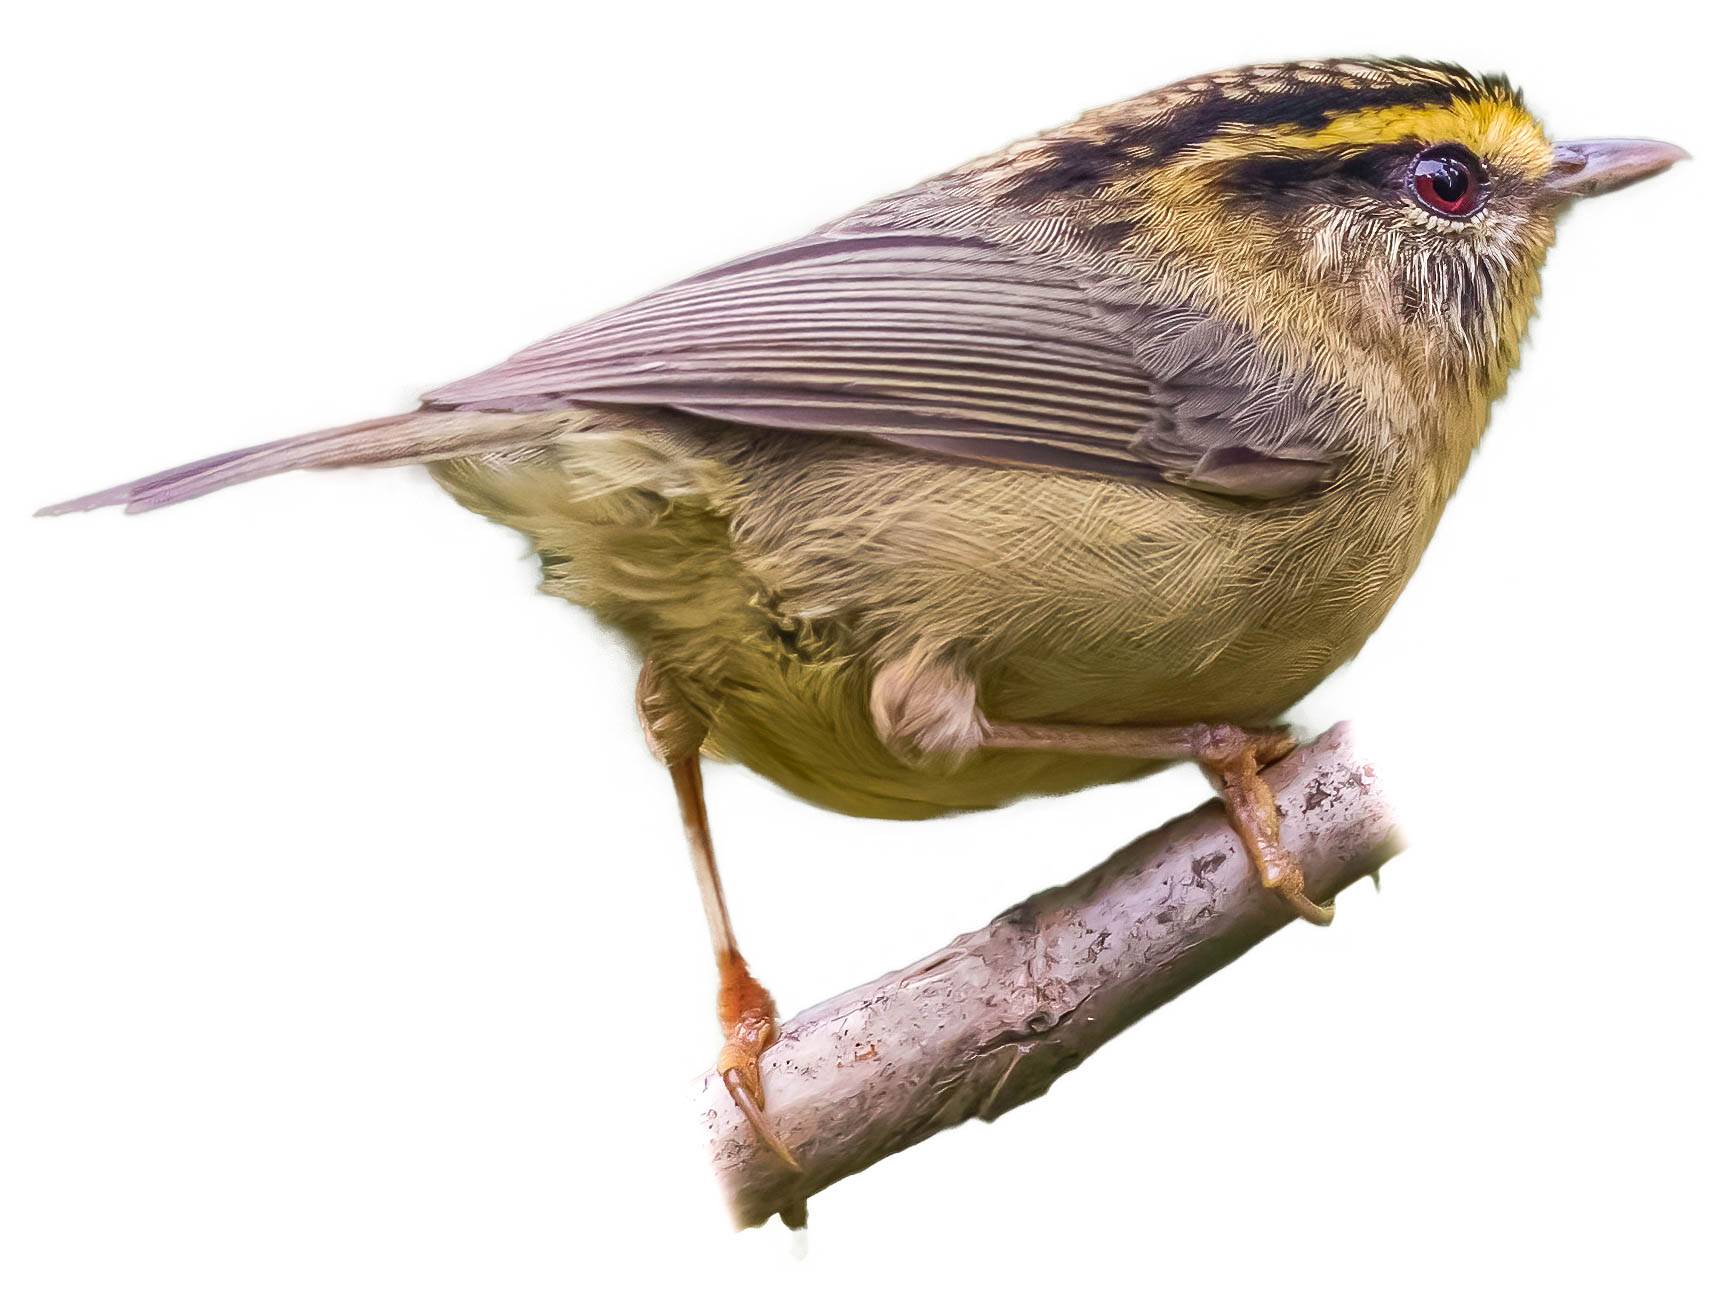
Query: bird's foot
x=749, y=1019
x=1232, y=757
x=1283, y=875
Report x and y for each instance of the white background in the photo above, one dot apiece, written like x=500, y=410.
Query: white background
x=347, y=940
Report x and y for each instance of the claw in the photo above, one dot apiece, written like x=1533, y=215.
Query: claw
x=1283, y=876
x=736, y=1081
x=1316, y=913
x=740, y=1061
x=1276, y=743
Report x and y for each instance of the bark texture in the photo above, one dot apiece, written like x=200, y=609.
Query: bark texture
x=989, y=1021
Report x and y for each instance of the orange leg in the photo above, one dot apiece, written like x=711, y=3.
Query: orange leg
x=745, y=1009
x=1230, y=755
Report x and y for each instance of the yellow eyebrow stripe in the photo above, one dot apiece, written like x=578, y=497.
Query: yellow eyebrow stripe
x=1490, y=127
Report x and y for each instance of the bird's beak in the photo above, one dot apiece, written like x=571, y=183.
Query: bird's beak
x=1583, y=168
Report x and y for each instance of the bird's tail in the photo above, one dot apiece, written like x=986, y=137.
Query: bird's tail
x=425, y=436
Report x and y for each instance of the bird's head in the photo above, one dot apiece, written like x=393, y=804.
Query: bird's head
x=1363, y=210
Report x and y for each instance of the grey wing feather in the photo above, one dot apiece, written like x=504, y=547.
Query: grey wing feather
x=1224, y=420
x=944, y=342
x=950, y=343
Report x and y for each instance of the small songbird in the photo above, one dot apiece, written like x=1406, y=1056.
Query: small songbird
x=1093, y=454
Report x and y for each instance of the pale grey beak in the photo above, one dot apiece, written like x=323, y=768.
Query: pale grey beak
x=1585, y=167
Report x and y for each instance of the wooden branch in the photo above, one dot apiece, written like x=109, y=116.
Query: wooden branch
x=990, y=1021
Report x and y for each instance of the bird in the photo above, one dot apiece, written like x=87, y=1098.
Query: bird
x=1089, y=456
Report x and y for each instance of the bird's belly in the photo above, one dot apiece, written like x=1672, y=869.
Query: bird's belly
x=774, y=575
x=808, y=727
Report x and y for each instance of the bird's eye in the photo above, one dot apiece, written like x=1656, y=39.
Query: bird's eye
x=1448, y=180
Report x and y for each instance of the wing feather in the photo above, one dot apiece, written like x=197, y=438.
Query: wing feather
x=944, y=342
x=948, y=340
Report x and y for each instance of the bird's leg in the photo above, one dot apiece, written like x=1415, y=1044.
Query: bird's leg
x=746, y=1012
x=925, y=710
x=1230, y=755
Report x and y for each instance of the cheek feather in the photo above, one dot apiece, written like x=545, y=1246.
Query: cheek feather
x=1453, y=296
x=1334, y=240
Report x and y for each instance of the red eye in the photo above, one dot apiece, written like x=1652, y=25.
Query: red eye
x=1448, y=180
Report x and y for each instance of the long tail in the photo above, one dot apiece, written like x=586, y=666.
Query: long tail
x=405, y=438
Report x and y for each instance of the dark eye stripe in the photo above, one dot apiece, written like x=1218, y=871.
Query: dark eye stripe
x=1295, y=179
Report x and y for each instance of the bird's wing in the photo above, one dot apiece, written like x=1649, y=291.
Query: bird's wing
x=942, y=341
x=946, y=342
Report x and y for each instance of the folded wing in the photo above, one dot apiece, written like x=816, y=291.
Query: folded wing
x=943, y=342
x=940, y=341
